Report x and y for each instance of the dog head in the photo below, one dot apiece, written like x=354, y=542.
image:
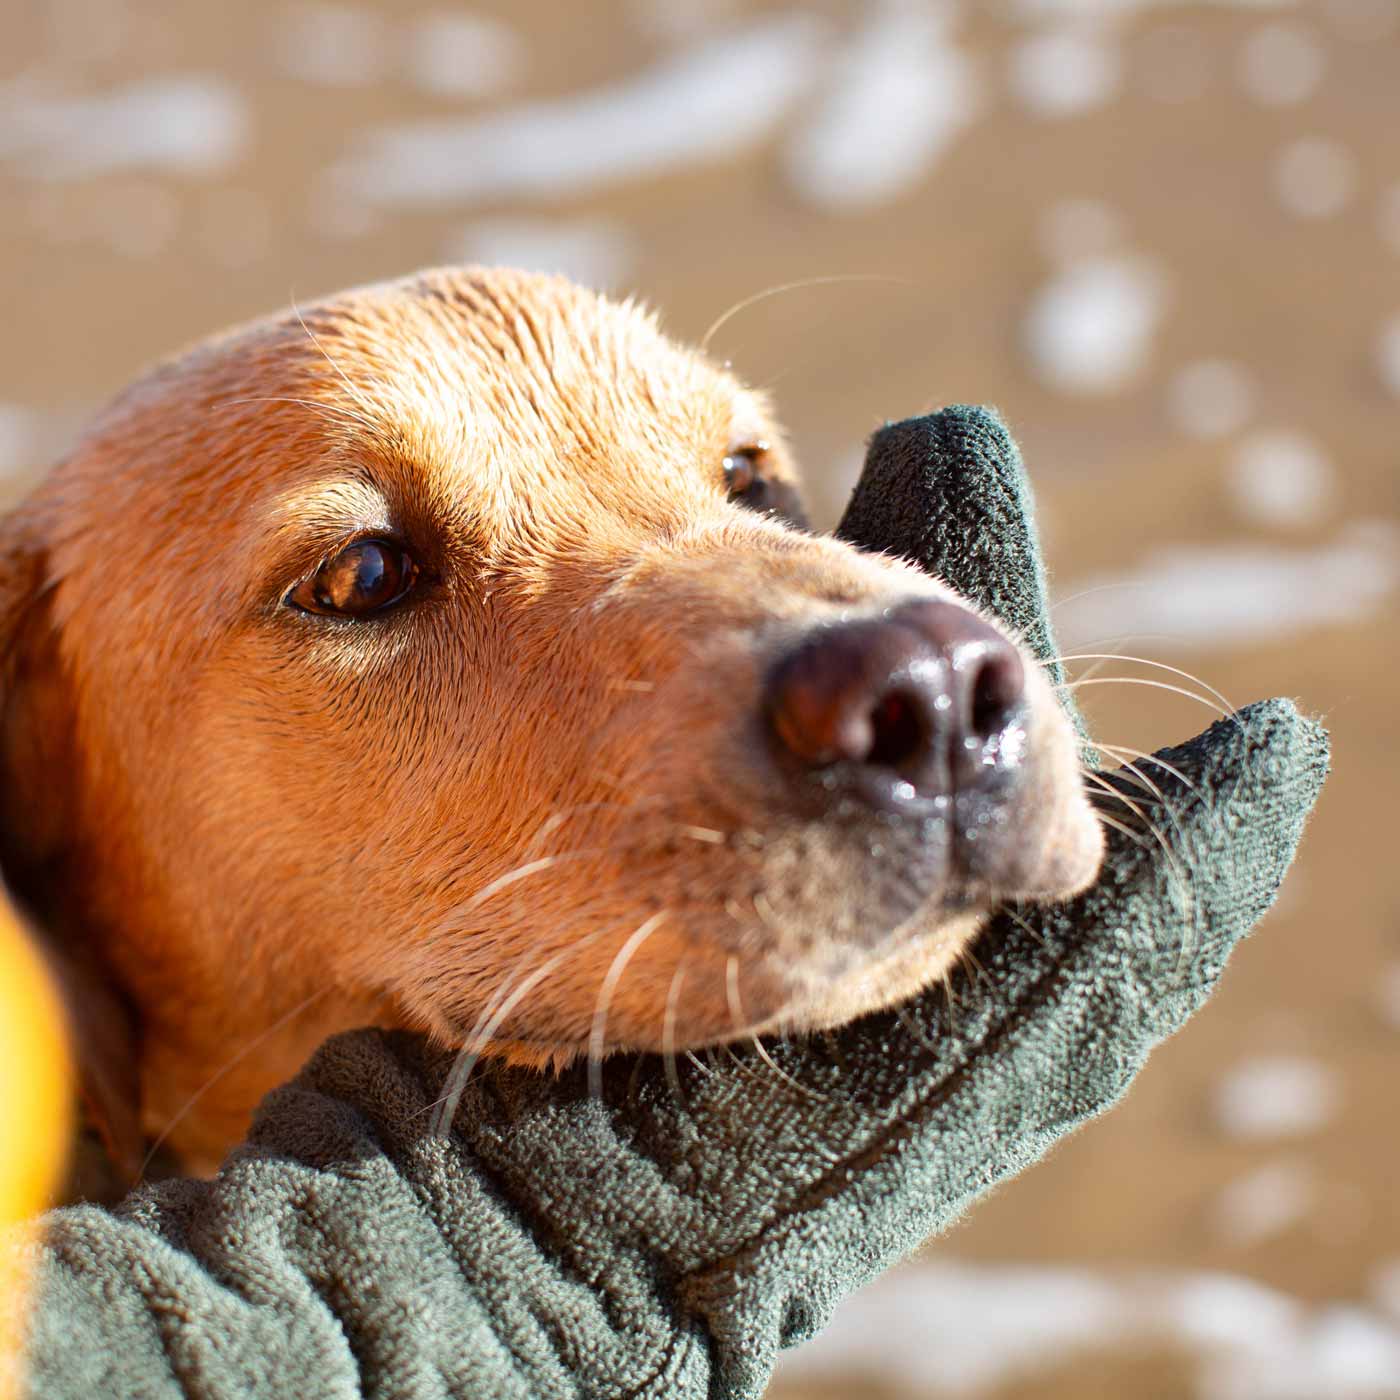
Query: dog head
x=452, y=654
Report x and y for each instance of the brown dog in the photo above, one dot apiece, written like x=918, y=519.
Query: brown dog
x=449, y=659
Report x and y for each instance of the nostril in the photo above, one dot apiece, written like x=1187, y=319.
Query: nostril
x=899, y=732
x=998, y=688
x=855, y=693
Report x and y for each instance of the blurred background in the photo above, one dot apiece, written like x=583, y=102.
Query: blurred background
x=1163, y=238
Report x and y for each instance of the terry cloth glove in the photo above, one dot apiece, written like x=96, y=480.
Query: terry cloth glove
x=668, y=1234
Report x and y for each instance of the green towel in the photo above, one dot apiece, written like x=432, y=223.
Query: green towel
x=668, y=1238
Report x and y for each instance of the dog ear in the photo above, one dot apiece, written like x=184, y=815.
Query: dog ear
x=40, y=856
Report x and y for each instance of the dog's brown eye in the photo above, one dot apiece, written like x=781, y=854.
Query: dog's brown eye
x=743, y=477
x=749, y=487
x=363, y=578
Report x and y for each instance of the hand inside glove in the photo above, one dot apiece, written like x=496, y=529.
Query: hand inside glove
x=668, y=1234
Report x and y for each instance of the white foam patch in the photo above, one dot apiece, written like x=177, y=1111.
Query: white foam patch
x=1080, y=228
x=1264, y=1203
x=1222, y=596
x=1210, y=1311
x=19, y=439
x=963, y=1330
x=1280, y=478
x=1211, y=398
x=597, y=253
x=902, y=93
x=332, y=45
x=703, y=104
x=1281, y=64
x=1314, y=177
x=185, y=125
x=1063, y=72
x=1090, y=329
x=1388, y=356
x=1275, y=1097
x=1341, y=1352
x=455, y=54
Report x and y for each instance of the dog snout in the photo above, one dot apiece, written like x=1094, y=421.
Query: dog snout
x=926, y=696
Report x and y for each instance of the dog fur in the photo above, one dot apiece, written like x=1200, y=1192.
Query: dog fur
x=528, y=805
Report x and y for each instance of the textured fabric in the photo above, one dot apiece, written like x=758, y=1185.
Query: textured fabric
x=666, y=1238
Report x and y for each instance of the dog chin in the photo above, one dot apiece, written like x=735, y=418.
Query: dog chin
x=839, y=979
x=919, y=954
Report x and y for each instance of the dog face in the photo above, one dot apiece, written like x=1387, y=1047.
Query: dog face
x=450, y=657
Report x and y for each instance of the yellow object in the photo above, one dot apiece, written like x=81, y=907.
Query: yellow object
x=35, y=1114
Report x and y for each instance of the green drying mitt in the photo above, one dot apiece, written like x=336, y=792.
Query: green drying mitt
x=668, y=1236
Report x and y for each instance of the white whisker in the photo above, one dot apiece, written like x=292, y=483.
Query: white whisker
x=762, y=1051
x=336, y=411
x=731, y=993
x=703, y=833
x=475, y=1045
x=668, y=1030
x=1116, y=749
x=597, y=1036
x=1022, y=923
x=904, y=1019
x=1155, y=685
x=1159, y=665
x=800, y=284
x=521, y=872
x=350, y=387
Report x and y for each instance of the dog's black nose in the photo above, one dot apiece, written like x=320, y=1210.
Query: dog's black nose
x=928, y=694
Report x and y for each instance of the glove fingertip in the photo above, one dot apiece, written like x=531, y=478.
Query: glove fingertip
x=948, y=493
x=1229, y=815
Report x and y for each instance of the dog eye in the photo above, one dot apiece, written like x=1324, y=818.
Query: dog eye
x=365, y=577
x=750, y=488
x=744, y=479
